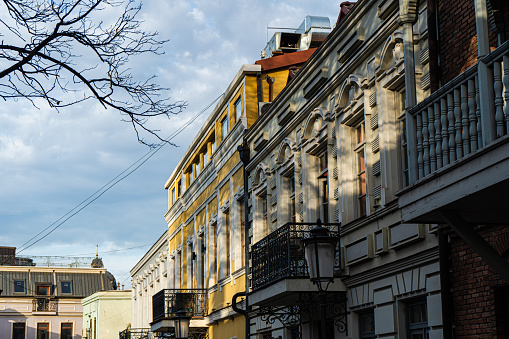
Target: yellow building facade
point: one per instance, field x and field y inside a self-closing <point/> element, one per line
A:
<point x="205" y="202"/>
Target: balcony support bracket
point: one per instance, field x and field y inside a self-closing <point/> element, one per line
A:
<point x="477" y="243"/>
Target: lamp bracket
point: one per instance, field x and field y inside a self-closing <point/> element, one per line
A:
<point x="288" y="316"/>
<point x="335" y="306"/>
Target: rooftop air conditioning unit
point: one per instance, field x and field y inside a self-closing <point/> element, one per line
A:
<point x="263" y="107"/>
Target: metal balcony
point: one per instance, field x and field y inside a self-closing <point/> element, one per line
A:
<point x="136" y="333"/>
<point x="167" y="302"/>
<point x="279" y="267"/>
<point x="459" y="147"/>
<point x="44" y="305"/>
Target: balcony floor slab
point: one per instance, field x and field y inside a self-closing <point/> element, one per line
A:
<point x="475" y="187"/>
<point x="286" y="292"/>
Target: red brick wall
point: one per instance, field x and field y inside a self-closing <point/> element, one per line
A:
<point x="473" y="283"/>
<point x="457" y="37"/>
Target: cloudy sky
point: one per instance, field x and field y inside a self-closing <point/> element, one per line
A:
<point x="52" y="161"/>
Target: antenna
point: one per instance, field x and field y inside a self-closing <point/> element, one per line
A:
<point x="96" y="251"/>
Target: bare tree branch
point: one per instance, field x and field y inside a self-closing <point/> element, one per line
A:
<point x="41" y="62"/>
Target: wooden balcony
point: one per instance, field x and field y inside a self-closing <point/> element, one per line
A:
<point x="459" y="148"/>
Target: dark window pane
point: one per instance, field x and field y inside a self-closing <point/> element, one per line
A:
<point x="418" y="313"/>
<point x="18" y="331"/>
<point x="19" y="286"/>
<point x="66" y="331"/>
<point x="66" y="287"/>
<point x="43" y="331"/>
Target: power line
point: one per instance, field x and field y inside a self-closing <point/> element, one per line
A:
<point x="122" y="249"/>
<point x="114" y="181"/>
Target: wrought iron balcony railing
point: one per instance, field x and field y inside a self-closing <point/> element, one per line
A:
<point x="44" y="305"/>
<point x="136" y="333"/>
<point x="463" y="116"/>
<point x="280" y="255"/>
<point x="167" y="302"/>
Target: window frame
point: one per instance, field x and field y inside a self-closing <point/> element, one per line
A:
<point x="360" y="168"/>
<point x="224" y="127"/>
<point x="227" y="231"/>
<point x="70" y="336"/>
<point x="360" y="317"/>
<point x="417" y="327"/>
<point x="39" y="328"/>
<point x="47" y="287"/>
<point x="323" y="186"/>
<point x="62" y="286"/>
<point x="24" y="286"/>
<point x="16" y="335"/>
<point x="238" y="112"/>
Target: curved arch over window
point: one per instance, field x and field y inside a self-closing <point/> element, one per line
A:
<point x="392" y="52"/>
<point x="314" y="123"/>
<point x="262" y="171"/>
<point x="350" y="91"/>
<point x="286" y="150"/>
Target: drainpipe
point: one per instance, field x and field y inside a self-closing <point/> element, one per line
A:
<point x="434" y="66"/>
<point x="445" y="284"/>
<point x="244" y="157"/>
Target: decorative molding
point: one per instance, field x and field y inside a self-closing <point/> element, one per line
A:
<point x="225" y="207"/>
<point x="373" y="121"/>
<point x="351" y="45"/>
<point x="261" y="141"/>
<point x="239" y="195"/>
<point x="375" y="144"/>
<point x="315" y="83"/>
<point x="201" y="231"/>
<point x="189" y="240"/>
<point x="286" y="114"/>
<point x="381" y="241"/>
<point x="376" y="168"/>
<point x="424" y="58"/>
<point x="372" y="99"/>
<point x="213" y="220"/>
<point x="425" y="81"/>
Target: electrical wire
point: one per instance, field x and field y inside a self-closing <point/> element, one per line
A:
<point x="113" y="182"/>
<point x="137" y="164"/>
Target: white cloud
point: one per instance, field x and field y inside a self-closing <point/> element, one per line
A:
<point x="50" y="161"/>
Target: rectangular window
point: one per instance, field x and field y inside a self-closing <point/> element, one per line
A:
<point x="214" y="266"/>
<point x="238" y="111"/>
<point x="417" y="320"/>
<point x="323" y="187"/>
<point x="367" y="325"/>
<point x="19" y="286"/>
<point x="18" y="330"/>
<point x="173" y="196"/>
<point x="242" y="230"/>
<point x="66" y="331"/>
<point x="291" y="200"/>
<point x="198" y="167"/>
<point x="228" y="252"/>
<point x="43" y="290"/>
<point x="179" y="188"/>
<point x="66" y="287"/>
<point x="361" y="170"/>
<point x="224" y="127"/>
<point x="42" y="331"/>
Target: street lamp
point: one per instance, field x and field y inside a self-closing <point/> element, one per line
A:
<point x="181" y="322"/>
<point x="320" y="250"/>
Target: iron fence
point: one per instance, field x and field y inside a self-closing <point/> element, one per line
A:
<point x="167" y="302"/>
<point x="280" y="255"/>
<point x="44" y="305"/>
